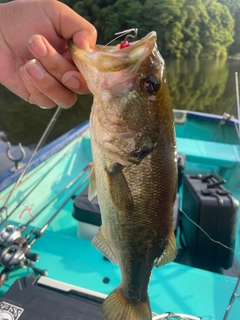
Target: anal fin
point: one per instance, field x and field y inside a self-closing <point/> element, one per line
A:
<point x="100" y="242"/>
<point x="169" y="253"/>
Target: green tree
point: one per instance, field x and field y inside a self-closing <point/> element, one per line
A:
<point x="185" y="28"/>
<point x="89" y="9"/>
<point x="216" y="31"/>
<point x="196" y="13"/>
<point x="120" y="16"/>
<point x="114" y="16"/>
<point x="234" y="8"/>
<point x="167" y="19"/>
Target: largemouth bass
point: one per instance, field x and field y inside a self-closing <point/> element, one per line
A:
<point x="135" y="175"/>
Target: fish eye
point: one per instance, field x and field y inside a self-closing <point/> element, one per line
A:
<point x="151" y="84"/>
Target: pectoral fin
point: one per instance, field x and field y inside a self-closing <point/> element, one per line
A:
<point x="119" y="190"/>
<point x="100" y="242"/>
<point x="169" y="253"/>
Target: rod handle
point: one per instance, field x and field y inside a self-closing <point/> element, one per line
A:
<point x="3" y="275"/>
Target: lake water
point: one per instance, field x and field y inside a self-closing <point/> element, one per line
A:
<point x="205" y="86"/>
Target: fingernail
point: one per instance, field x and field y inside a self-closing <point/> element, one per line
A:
<point x="35" y="69"/>
<point x="37" y="45"/>
<point x="63" y="106"/>
<point x="43" y="107"/>
<point x="71" y="82"/>
<point x="86" y="39"/>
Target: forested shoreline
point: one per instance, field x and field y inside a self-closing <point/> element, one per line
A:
<point x="194" y="84"/>
<point x="186" y="28"/>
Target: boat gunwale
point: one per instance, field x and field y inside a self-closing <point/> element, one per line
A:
<point x="8" y="177"/>
<point x="202" y="116"/>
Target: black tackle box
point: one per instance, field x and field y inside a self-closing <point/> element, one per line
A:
<point x="32" y="299"/>
<point x="181" y="162"/>
<point x="215" y="211"/>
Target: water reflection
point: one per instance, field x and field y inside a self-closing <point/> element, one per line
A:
<point x="207" y="86"/>
<point x="22" y="122"/>
<point x="203" y="85"/>
<point x="25" y="123"/>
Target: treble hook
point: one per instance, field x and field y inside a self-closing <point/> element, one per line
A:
<point x="18" y="164"/>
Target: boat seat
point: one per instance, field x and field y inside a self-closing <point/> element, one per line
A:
<point x="211" y="153"/>
<point x="87" y="213"/>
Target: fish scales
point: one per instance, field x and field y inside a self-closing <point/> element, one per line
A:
<point x="134" y="153"/>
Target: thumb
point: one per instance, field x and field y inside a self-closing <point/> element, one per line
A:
<point x="69" y="24"/>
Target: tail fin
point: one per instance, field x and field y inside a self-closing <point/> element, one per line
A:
<point x="117" y="307"/>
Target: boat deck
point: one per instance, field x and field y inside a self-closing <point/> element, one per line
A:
<point x="175" y="287"/>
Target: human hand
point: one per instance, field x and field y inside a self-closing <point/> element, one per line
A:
<point x="35" y="62"/>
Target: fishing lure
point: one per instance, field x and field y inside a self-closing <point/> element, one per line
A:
<point x="125" y="44"/>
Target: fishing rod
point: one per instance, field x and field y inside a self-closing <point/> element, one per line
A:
<point x="33" y="188"/>
<point x="17" y="255"/>
<point x="43" y="229"/>
<point x="238" y="104"/>
<point x="40" y="143"/>
<point x="227" y="116"/>
<point x="58" y="194"/>
<point x="45" y="162"/>
<point x="11" y="234"/>
<point x="232" y="299"/>
<point x="222" y="122"/>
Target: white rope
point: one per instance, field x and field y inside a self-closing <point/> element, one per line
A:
<point x="179" y="316"/>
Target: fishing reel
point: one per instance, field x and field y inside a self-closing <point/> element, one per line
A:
<point x="14" y="235"/>
<point x="9" y="235"/>
<point x="14" y="251"/>
<point x="13" y="257"/>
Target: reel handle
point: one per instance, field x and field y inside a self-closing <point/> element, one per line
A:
<point x="32" y="256"/>
<point x="41" y="272"/>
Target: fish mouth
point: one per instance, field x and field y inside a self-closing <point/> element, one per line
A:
<point x="112" y="59"/>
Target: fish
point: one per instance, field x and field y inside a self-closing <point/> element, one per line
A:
<point x="135" y="166"/>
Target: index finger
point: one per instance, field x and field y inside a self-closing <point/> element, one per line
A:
<point x="56" y="64"/>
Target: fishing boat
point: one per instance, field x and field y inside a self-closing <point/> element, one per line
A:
<point x="50" y="270"/>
